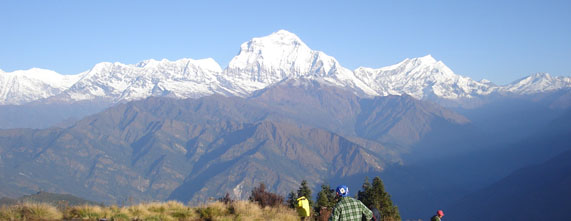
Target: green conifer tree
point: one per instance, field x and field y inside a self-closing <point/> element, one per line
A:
<point x="325" y="197"/>
<point x="304" y="190"/>
<point x="376" y="196"/>
<point x="291" y="200"/>
<point x="363" y="195"/>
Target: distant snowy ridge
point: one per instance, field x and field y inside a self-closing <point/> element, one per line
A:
<point x="261" y="62"/>
<point x="117" y="82"/>
<point x="24" y="86"/>
<point x="536" y="83"/>
<point x="420" y="77"/>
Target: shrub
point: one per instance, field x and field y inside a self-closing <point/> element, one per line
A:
<point x="264" y="198"/>
<point x="226" y="199"/>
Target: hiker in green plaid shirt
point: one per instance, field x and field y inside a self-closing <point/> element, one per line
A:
<point x="348" y="208"/>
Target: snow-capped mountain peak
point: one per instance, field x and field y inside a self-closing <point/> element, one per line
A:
<point x="538" y="82"/>
<point x="282" y="38"/>
<point x="536" y="77"/>
<point x="120" y="82"/>
<point x="261" y="62"/>
<point x="425" y="60"/>
<point x="279" y="52"/>
<point x="24" y="86"/>
<point x="421" y="78"/>
<point x="282" y="55"/>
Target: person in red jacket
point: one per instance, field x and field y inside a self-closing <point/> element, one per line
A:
<point x="439" y="214"/>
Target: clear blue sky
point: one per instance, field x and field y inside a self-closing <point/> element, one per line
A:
<point x="497" y="40"/>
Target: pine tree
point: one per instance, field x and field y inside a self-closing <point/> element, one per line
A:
<point x="291" y="200"/>
<point x="325" y="197"/>
<point x="326" y="200"/>
<point x="304" y="190"/>
<point x="363" y="196"/>
<point x="376" y="196"/>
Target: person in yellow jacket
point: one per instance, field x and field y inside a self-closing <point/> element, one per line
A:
<point x="303" y="207"/>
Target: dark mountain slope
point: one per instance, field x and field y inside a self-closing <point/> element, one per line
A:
<point x="124" y="151"/>
<point x="311" y="102"/>
<point x="426" y="185"/>
<point x="399" y="121"/>
<point x="539" y="192"/>
<point x="277" y="154"/>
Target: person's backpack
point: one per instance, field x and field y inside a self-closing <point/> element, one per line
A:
<point x="303" y="207"/>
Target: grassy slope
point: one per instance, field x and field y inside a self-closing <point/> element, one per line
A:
<point x="172" y="210"/>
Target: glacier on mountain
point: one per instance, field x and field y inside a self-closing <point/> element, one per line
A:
<point x="261" y="62"/>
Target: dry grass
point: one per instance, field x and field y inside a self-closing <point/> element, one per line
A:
<point x="252" y="211"/>
<point x="171" y="210"/>
<point x="9" y="213"/>
<point x="30" y="211"/>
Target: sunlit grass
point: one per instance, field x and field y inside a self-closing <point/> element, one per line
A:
<point x="171" y="210"/>
<point x="30" y="211"/>
<point x="10" y="213"/>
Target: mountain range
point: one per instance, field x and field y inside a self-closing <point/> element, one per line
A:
<point x="261" y="62"/>
<point x="193" y="149"/>
<point x="280" y="113"/>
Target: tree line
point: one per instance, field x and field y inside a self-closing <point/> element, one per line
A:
<point x="373" y="195"/>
